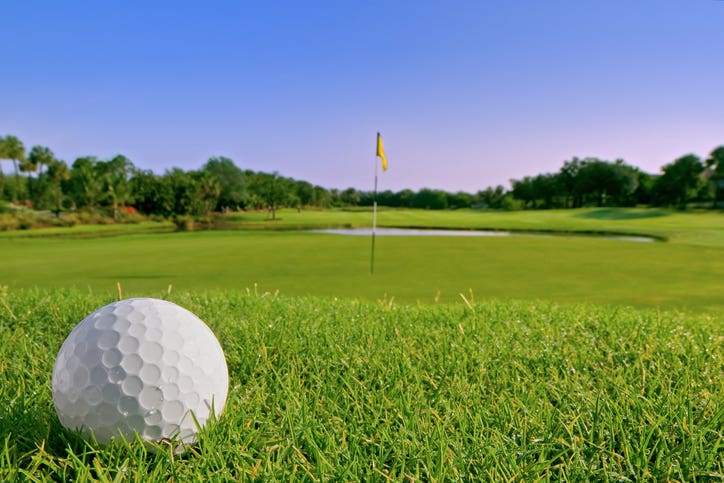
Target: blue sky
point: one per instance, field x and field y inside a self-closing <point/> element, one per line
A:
<point x="467" y="94"/>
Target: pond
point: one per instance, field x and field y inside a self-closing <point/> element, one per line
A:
<point x="478" y="233"/>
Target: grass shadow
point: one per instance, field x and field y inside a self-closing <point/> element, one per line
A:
<point x="621" y="214"/>
<point x="27" y="427"/>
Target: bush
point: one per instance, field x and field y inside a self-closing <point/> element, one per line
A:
<point x="26" y="222"/>
<point x="71" y="219"/>
<point x="86" y="218"/>
<point x="8" y="222"/>
<point x="511" y="204"/>
<point x="184" y="223"/>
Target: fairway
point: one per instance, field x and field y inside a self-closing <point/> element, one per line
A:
<point x="408" y="269"/>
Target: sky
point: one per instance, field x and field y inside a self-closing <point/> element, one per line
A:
<point x="467" y="94"/>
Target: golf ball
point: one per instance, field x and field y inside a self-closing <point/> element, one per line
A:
<point x="144" y="366"/>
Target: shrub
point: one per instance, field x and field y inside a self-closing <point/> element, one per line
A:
<point x="8" y="222"/>
<point x="184" y="222"/>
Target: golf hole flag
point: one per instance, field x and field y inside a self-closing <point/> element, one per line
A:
<point x="381" y="152"/>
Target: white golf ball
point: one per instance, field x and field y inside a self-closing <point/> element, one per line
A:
<point x="143" y="366"/>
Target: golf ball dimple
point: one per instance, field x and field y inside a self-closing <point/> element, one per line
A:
<point x="144" y="366"/>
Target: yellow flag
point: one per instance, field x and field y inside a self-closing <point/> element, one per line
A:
<point x="381" y="152"/>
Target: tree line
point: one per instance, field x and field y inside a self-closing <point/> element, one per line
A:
<point x="595" y="182"/>
<point x="116" y="187"/>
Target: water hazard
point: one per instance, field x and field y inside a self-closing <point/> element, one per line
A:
<point x="474" y="233"/>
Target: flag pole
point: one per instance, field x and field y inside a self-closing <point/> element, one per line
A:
<point x="374" y="217"/>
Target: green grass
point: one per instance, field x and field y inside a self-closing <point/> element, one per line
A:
<point x="705" y="228"/>
<point x="538" y="371"/>
<point x="344" y="390"/>
<point x="91" y="231"/>
<point x="408" y="269"/>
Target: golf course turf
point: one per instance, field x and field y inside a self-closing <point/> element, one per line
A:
<point x="685" y="272"/>
<point x="492" y="358"/>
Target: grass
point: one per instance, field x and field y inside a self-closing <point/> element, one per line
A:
<point x="410" y="269"/>
<point x="539" y="371"/>
<point x="705" y="228"/>
<point x="702" y="228"/>
<point x="91" y="231"/>
<point x="345" y="390"/>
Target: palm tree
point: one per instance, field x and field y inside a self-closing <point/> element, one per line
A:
<point x="116" y="176"/>
<point x="58" y="172"/>
<point x="210" y="190"/>
<point x="38" y="157"/>
<point x="41" y="156"/>
<point x="28" y="165"/>
<point x="13" y="149"/>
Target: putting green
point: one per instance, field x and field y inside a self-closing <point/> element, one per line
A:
<point x="408" y="269"/>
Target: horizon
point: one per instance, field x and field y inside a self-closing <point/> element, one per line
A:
<point x="465" y="96"/>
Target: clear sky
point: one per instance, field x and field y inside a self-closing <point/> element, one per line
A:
<point x="467" y="94"/>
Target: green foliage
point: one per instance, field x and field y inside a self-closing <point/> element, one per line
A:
<point x="271" y="191"/>
<point x="491" y="198"/>
<point x="232" y="185"/>
<point x="153" y="194"/>
<point x="715" y="162"/>
<point x="116" y="174"/>
<point x="580" y="182"/>
<point x="333" y="390"/>
<point x="430" y="199"/>
<point x="58" y="173"/>
<point x="85" y="183"/>
<point x="681" y="181"/>
<point x="13" y="149"/>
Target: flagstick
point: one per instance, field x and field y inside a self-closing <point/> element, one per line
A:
<point x="374" y="222"/>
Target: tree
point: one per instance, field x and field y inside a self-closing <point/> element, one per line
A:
<point x="567" y="177"/>
<point x="230" y="179"/>
<point x="57" y="173"/>
<point x="643" y="195"/>
<point x="715" y="162"/>
<point x="27" y="166"/>
<point x="605" y="182"/>
<point x="38" y="158"/>
<point x="545" y="187"/>
<point x="459" y="200"/>
<point x="209" y="188"/>
<point x="593" y="180"/>
<point x="680" y="181"/>
<point x="405" y="198"/>
<point x="272" y="191"/>
<point x="115" y="175"/>
<point x="41" y="156"/>
<point x="350" y="197"/>
<point x="322" y="197"/>
<point x="305" y="193"/>
<point x="430" y="199"/>
<point x="523" y="191"/>
<point x="151" y="194"/>
<point x="492" y="197"/>
<point x="187" y="197"/>
<point x="86" y="182"/>
<point x="13" y="149"/>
